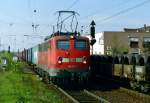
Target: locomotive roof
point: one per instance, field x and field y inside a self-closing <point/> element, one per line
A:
<point x="62" y="34"/>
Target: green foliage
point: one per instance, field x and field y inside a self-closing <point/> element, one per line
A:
<point x="11" y="64"/>
<point x="118" y="47"/>
<point x="19" y="87"/>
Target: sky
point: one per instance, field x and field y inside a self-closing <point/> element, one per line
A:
<point x="17" y="17"/>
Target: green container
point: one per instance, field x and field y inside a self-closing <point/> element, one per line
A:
<point x="35" y="51"/>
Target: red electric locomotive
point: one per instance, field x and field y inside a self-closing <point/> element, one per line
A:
<point x="64" y="55"/>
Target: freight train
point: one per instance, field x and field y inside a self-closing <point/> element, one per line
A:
<point x="62" y="56"/>
<point x="133" y="70"/>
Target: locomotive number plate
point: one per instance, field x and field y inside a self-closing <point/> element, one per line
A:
<point x="72" y="66"/>
<point x="72" y="60"/>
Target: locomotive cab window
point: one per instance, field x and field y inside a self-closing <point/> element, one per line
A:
<point x="63" y="44"/>
<point x="80" y="44"/>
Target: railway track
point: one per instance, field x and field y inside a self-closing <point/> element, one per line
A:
<point x="122" y="96"/>
<point x="80" y="95"/>
<point x="71" y="94"/>
<point x="84" y="96"/>
<point x="115" y="93"/>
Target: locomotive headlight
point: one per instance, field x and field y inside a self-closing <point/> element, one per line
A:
<point x="71" y="37"/>
<point x="84" y="60"/>
<point x="60" y="60"/>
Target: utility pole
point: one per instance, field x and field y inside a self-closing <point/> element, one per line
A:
<point x="81" y="30"/>
<point x="34" y="24"/>
<point x="14" y="41"/>
<point x="9" y="49"/>
<point x="53" y="29"/>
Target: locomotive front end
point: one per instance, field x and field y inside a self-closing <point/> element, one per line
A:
<point x="72" y="57"/>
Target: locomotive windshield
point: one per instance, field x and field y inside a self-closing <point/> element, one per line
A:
<point x="63" y="44"/>
<point x="80" y="44"/>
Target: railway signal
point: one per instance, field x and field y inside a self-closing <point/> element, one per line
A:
<point x="92" y="29"/>
<point x="92" y="32"/>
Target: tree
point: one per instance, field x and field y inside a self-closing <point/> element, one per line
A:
<point x="118" y="47"/>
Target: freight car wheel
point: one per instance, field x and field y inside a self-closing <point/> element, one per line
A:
<point x="85" y="81"/>
<point x="81" y="81"/>
<point x="68" y="81"/>
<point x="64" y="80"/>
<point x="50" y="79"/>
<point x="46" y="78"/>
<point x="60" y="80"/>
<point x="35" y="69"/>
<point x="144" y="88"/>
<point x="54" y="79"/>
<point x="133" y="85"/>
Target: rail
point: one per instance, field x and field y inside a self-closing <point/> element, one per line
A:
<point x="134" y="93"/>
<point x="65" y="93"/>
<point x="80" y="96"/>
<point x="102" y="100"/>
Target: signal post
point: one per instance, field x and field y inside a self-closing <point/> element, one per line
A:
<point x="92" y="33"/>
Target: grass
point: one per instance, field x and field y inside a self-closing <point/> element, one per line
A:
<point x="19" y="87"/>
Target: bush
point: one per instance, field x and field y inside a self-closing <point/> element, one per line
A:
<point x="10" y="63"/>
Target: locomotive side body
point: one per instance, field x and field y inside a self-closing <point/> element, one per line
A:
<point x="43" y="56"/>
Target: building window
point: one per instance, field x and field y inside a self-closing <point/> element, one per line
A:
<point x="146" y="42"/>
<point x="134" y="42"/>
<point x="108" y="48"/>
<point x="101" y="41"/>
<point x="109" y="53"/>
